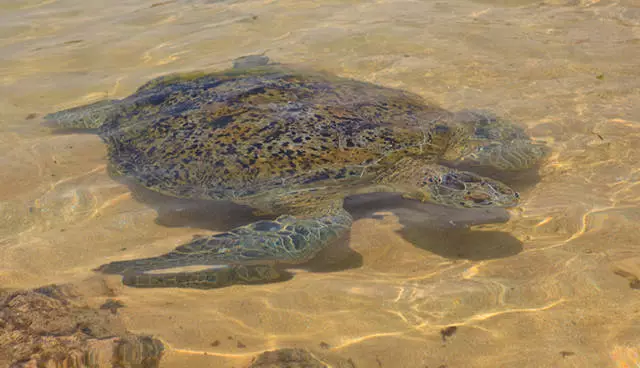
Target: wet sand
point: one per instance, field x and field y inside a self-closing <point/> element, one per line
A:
<point x="551" y="283"/>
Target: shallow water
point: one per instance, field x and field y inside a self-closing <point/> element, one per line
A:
<point x="551" y="283"/>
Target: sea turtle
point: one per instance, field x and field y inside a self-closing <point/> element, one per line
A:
<point x="291" y="143"/>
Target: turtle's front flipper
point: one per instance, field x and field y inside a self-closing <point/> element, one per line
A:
<point x="90" y="116"/>
<point x="249" y="251"/>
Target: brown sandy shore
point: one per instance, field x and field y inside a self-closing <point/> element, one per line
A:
<point x="53" y="326"/>
<point x="551" y="283"/>
<point x="49" y="327"/>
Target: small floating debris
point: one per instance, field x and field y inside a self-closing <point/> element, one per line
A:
<point x="448" y="332"/>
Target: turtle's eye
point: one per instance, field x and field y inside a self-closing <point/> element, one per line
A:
<point x="452" y="182"/>
<point x="441" y="129"/>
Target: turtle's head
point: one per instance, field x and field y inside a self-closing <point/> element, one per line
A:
<point x="515" y="155"/>
<point x="464" y="189"/>
<point x="90" y="116"/>
<point x="482" y="139"/>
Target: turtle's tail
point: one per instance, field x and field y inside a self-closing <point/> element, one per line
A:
<point x="90" y="116"/>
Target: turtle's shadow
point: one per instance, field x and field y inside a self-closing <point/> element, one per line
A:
<point x="441" y="230"/>
<point x="437" y="229"/>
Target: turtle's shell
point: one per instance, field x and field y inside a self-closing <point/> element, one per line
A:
<point x="240" y="132"/>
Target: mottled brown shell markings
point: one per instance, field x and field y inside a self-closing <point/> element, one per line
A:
<point x="234" y="134"/>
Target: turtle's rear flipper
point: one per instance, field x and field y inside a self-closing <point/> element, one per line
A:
<point x="250" y="61"/>
<point x="90" y="116"/>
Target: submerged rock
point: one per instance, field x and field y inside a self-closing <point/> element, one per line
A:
<point x="47" y="327"/>
<point x="299" y="358"/>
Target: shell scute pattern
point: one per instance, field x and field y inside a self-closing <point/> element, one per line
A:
<point x="222" y="135"/>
